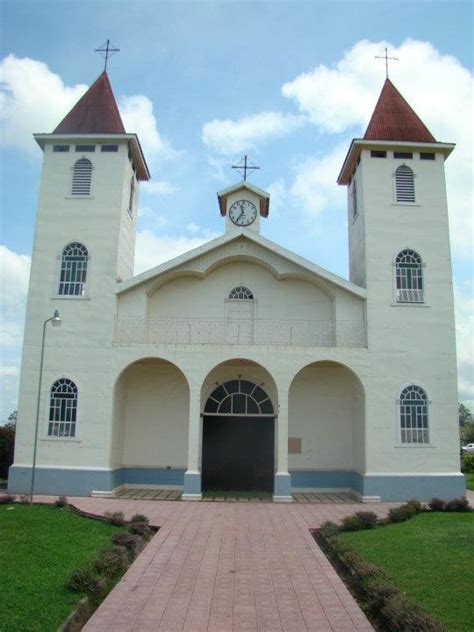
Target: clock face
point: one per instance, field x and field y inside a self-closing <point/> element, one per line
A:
<point x="242" y="213"/>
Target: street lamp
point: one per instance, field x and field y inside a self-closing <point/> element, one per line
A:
<point x="55" y="320"/>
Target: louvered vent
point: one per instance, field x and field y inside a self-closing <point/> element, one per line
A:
<point x="404" y="184"/>
<point x="409" y="296"/>
<point x="81" y="177"/>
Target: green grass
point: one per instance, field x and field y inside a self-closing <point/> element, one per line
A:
<point x="469" y="481"/>
<point x="431" y="559"/>
<point x="39" y="547"/>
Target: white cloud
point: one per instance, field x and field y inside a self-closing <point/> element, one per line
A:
<point x="160" y="187"/>
<point x="35" y="99"/>
<point x="14" y="275"/>
<point x="138" y="117"/>
<point x="152" y="250"/>
<point x="232" y="137"/>
<point x="438" y="88"/>
<point x="464" y="304"/>
<point x="315" y="187"/>
<point x="32" y="99"/>
<point x="278" y="196"/>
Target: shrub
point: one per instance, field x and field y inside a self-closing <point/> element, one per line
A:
<point x="329" y="530"/>
<point x="458" y="504"/>
<point x="115" y="517"/>
<point x="399" y="614"/>
<point x="61" y="502"/>
<point x="377" y="590"/>
<point x="141" y="529"/>
<point x="467" y="464"/>
<point x="352" y="523"/>
<point x="368" y="518"/>
<point x="140" y="518"/>
<point x="6" y="499"/>
<point x="85" y="580"/>
<point x="128" y="540"/>
<point x="436" y="504"/>
<point x="7" y="445"/>
<point x="417" y="506"/>
<point x="402" y="513"/>
<point x="111" y="561"/>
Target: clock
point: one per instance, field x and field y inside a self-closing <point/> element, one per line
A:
<point x="242" y="213"/>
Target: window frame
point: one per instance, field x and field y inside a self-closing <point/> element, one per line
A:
<point x="398" y="202"/>
<point x="414" y="444"/>
<point x="241" y="289"/>
<point x="47" y="413"/>
<point x="411" y="291"/>
<point x="223" y="384"/>
<point x="59" y="266"/>
<point x="79" y="196"/>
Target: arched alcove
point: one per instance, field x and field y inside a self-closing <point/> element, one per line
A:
<point x="326" y="426"/>
<point x="150" y="423"/>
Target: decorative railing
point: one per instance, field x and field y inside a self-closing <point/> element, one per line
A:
<point x="295" y="333"/>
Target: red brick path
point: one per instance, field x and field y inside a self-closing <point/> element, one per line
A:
<point x="219" y="567"/>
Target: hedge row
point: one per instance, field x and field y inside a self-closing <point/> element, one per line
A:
<point x="391" y="609"/>
<point x="467" y="463"/>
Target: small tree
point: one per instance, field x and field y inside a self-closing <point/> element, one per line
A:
<point x="465" y="415"/>
<point x="12" y="419"/>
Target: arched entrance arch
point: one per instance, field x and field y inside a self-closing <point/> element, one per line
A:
<point x="238" y="439"/>
<point x="326" y="427"/>
<point x="150" y="423"/>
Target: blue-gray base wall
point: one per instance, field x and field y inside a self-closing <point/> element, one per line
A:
<point x="70" y="482"/>
<point x="387" y="487"/>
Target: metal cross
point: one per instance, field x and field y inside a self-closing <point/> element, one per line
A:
<point x="386" y="57"/>
<point x="107" y="50"/>
<point x="245" y="167"/>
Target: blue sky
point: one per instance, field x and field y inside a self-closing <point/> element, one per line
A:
<point x="289" y="83"/>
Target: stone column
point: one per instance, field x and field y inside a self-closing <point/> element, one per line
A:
<point x="192" y="477"/>
<point x="282" y="489"/>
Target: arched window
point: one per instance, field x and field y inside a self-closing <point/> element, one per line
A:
<point x="241" y="293"/>
<point x="81" y="177"/>
<point x="239" y="397"/>
<point x="404" y="184"/>
<point x="63" y="409"/>
<point x="409" y="277"/>
<point x="413" y="415"/>
<point x="72" y="279"/>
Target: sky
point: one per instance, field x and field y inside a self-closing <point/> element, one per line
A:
<point x="289" y="83"/>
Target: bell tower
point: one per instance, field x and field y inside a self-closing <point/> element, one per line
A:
<point x="243" y="205"/>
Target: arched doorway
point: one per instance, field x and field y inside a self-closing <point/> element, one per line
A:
<point x="238" y="438"/>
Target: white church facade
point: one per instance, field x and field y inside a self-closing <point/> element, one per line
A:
<point x="240" y="365"/>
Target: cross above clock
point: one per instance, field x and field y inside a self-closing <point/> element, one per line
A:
<point x="245" y="166"/>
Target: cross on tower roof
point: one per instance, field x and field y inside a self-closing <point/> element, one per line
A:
<point x="107" y="50"/>
<point x="245" y="166"/>
<point x="386" y="57"/>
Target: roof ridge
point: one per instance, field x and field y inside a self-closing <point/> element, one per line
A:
<point x="393" y="118"/>
<point x="96" y="112"/>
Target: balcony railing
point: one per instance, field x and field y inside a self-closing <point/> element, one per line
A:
<point x="296" y="333"/>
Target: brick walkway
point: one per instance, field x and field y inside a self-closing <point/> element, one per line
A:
<point x="219" y="567"/>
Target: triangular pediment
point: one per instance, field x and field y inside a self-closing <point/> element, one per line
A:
<point x="244" y="246"/>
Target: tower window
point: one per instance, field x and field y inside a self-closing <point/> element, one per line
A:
<point x="375" y="153"/>
<point x="108" y="148"/>
<point x="81" y="177"/>
<point x="409" y="277"/>
<point x="62" y="409"/>
<point x="85" y="147"/>
<point x="425" y="155"/>
<point x="402" y="154"/>
<point x="60" y="148"/>
<point x="132" y="196"/>
<point x="72" y="280"/>
<point x="355" y="210"/>
<point x="404" y="184"/>
<point x="413" y="415"/>
<point x="241" y="293"/>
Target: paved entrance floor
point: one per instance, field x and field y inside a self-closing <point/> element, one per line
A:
<point x="222" y="567"/>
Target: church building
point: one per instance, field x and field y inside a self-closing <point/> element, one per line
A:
<point x="239" y="365"/>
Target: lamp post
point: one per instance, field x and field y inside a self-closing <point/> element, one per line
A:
<point x="55" y="320"/>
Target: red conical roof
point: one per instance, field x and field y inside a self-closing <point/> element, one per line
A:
<point x="394" y="119"/>
<point x="95" y="113"/>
